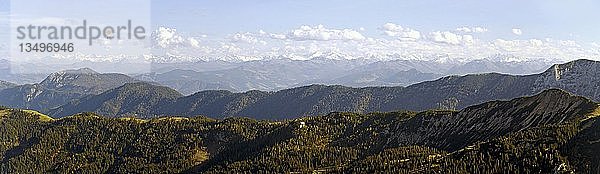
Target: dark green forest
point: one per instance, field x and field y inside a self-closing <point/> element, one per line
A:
<point x="552" y="132"/>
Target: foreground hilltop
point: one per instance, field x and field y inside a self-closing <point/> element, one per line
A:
<point x="581" y="77"/>
<point x="553" y="131"/>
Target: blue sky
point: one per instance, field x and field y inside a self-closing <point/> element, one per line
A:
<point x="222" y="28"/>
<point x="541" y="18"/>
<point x="538" y="18"/>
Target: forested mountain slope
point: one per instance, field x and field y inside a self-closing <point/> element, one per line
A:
<point x="581" y="77"/>
<point x="553" y="131"/>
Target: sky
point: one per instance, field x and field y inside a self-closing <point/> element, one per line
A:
<point x="420" y="29"/>
<point x="542" y="18"/>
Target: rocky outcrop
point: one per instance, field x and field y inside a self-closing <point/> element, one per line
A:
<point x="581" y="77"/>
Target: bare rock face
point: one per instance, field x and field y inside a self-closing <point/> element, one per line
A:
<point x="579" y="77"/>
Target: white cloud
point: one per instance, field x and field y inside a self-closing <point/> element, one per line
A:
<point x="307" y="41"/>
<point x="402" y="33"/>
<point x="472" y="29"/>
<point x="264" y="34"/>
<point x="169" y="39"/>
<point x="517" y="31"/>
<point x="468" y="39"/>
<point x="244" y="37"/>
<point x="480" y="30"/>
<point x="445" y="37"/>
<point x="165" y="37"/>
<point x="277" y="36"/>
<point x="551" y="49"/>
<point x="320" y="33"/>
<point x="172" y="46"/>
<point x="536" y="42"/>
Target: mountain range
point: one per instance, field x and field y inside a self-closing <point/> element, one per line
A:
<point x="134" y="99"/>
<point x="60" y="88"/>
<point x="477" y="123"/>
<point x="4" y="85"/>
<point x="8" y="76"/>
<point x="551" y="132"/>
<point x="278" y="73"/>
<point x="284" y="73"/>
<point x="452" y="92"/>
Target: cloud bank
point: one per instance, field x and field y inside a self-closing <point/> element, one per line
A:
<point x="402" y="33"/>
<point x="393" y="42"/>
<point x="320" y="33"/>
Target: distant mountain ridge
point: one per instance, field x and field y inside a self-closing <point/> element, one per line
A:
<point x="384" y="77"/>
<point x="281" y="72"/>
<point x="61" y="87"/>
<point x="452" y="92"/>
<point x="266" y="75"/>
<point x="139" y="97"/>
<point x="6" y="74"/>
<point x="4" y="85"/>
<point x="85" y="80"/>
<point x="284" y="73"/>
